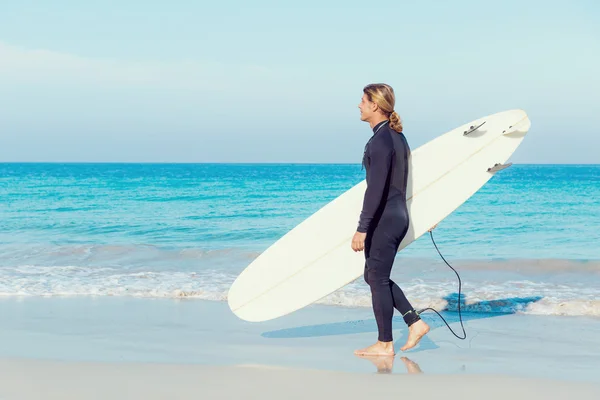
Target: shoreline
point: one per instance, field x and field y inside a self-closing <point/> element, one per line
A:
<point x="199" y="332"/>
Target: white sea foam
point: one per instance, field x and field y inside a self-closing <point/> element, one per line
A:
<point x="509" y="296"/>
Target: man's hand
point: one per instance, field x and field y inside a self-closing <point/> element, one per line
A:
<point x="358" y="241"/>
<point x="432" y="228"/>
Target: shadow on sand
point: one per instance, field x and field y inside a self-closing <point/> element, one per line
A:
<point x="473" y="311"/>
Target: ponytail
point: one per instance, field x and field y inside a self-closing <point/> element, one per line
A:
<point x="395" y="122"/>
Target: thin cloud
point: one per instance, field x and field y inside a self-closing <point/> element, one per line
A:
<point x="20" y="65"/>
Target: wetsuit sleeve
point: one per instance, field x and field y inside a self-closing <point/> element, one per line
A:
<point x="379" y="168"/>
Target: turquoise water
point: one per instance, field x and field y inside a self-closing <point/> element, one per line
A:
<point x="188" y="229"/>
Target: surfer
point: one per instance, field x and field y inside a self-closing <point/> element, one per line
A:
<point x="384" y="218"/>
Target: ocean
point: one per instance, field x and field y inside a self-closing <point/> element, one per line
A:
<point x="527" y="242"/>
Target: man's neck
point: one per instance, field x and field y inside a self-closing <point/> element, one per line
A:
<point x="377" y="120"/>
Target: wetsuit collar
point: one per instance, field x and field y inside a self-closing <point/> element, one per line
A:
<point x="379" y="125"/>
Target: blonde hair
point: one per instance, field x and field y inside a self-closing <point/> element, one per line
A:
<point x="383" y="95"/>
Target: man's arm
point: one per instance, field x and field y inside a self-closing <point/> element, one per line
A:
<point x="381" y="162"/>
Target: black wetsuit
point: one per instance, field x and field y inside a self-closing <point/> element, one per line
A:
<point x="385" y="219"/>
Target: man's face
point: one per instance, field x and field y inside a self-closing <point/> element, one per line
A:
<point x="367" y="108"/>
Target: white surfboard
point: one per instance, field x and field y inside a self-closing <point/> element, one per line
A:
<point x="315" y="258"/>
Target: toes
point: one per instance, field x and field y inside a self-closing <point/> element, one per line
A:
<point x="408" y="345"/>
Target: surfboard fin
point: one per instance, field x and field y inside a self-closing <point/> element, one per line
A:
<point x="514" y="131"/>
<point x="473" y="128"/>
<point x="498" y="167"/>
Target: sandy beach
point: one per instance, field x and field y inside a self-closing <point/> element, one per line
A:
<point x="162" y="348"/>
<point x="56" y="380"/>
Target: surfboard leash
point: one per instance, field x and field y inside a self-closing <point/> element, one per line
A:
<point x="459" y="296"/>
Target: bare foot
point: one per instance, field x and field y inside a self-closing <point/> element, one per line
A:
<point x="411" y="366"/>
<point x="378" y="349"/>
<point x="384" y="364"/>
<point x="415" y="332"/>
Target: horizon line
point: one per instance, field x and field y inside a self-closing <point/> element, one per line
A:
<point x="242" y="163"/>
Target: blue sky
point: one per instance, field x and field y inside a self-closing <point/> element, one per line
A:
<point x="266" y="81"/>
